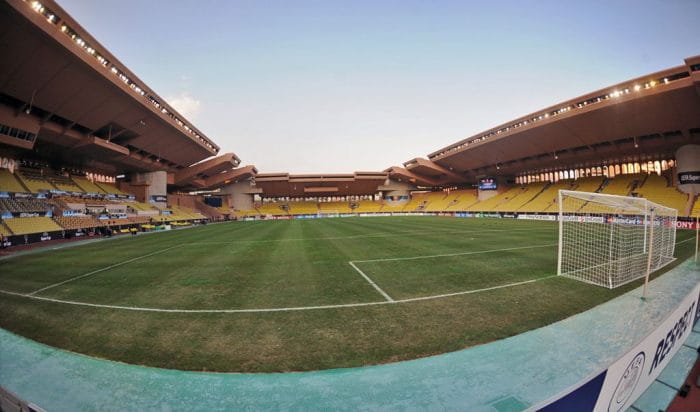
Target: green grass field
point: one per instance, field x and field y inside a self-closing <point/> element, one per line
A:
<point x="296" y="295"/>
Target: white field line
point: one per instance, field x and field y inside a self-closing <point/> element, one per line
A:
<point x="687" y="240"/>
<point x="288" y="309"/>
<point x="453" y="254"/>
<point x="285" y="309"/>
<point x="102" y="269"/>
<point x="371" y="282"/>
<point x="371" y="235"/>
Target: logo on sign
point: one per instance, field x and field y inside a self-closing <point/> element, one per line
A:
<point x="627" y="383"/>
<point x="689" y="178"/>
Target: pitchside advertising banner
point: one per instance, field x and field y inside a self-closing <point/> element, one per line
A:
<point x="616" y="388"/>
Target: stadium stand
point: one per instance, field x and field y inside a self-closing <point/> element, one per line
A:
<point x="274" y="209"/>
<point x="87" y="185"/>
<point x="183" y="213"/>
<point x="109" y="188"/>
<point x="366" y="206"/>
<point x="4" y="231"/>
<point x="140" y="206"/>
<point x="695" y="211"/>
<point x="27" y="205"/>
<point x="463" y="200"/>
<point x="63" y="183"/>
<point x="246" y="213"/>
<point x="303" y="208"/>
<point x="416" y="204"/>
<point x="621" y="185"/>
<point x="334" y="207"/>
<point x="528" y="193"/>
<point x="77" y="222"/>
<point x="657" y="189"/>
<point x="442" y="201"/>
<point x="491" y="204"/>
<point x="393" y="207"/>
<point x="9" y="183"/>
<point x="33" y="180"/>
<point x="29" y="225"/>
<point x="545" y="200"/>
<point x="584" y="184"/>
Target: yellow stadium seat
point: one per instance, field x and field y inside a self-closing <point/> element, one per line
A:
<point x="34" y="181"/>
<point x="29" y="225"/>
<point x="87" y="185"/>
<point x="334" y="207"/>
<point x="9" y="183"/>
<point x="656" y="189"/>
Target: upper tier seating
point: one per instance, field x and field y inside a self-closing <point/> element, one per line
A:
<point x="33" y="180"/>
<point x="9" y="183"/>
<point x="109" y="188"/>
<point x="87" y="185"/>
<point x="63" y="183"/>
<point x="656" y="189"/>
<point x="144" y="207"/>
<point x="29" y="225"/>
<point x="622" y="185"/>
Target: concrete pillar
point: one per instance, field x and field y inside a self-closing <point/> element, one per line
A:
<point x="155" y="187"/>
<point x="241" y="194"/>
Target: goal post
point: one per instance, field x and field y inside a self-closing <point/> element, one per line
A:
<point x="610" y="240"/>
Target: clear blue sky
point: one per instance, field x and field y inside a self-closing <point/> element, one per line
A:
<point x="338" y="86"/>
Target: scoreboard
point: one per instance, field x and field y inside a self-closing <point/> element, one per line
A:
<point x="487" y="183"/>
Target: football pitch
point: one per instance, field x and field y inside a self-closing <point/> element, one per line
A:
<point x="297" y="295"/>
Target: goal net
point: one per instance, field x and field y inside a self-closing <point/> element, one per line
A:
<point x="606" y="240"/>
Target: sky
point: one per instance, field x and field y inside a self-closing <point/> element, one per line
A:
<point x="340" y="86"/>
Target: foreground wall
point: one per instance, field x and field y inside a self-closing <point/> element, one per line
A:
<point x="617" y="387"/>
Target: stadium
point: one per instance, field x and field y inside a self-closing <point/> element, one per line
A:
<point x="546" y="263"/>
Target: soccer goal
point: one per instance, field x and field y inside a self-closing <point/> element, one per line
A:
<point x="610" y="240"/>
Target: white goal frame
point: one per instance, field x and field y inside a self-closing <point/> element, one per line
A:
<point x="610" y="240"/>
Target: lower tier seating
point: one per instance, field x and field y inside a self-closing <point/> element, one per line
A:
<point x="77" y="222"/>
<point x="29" y="225"/>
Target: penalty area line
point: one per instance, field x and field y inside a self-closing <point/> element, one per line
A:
<point x="453" y="254"/>
<point x="287" y="309"/>
<point x="102" y="270"/>
<point x="371" y="282"/>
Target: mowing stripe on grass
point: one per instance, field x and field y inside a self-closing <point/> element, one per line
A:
<point x="370" y="235"/>
<point x="289" y="309"/>
<point x="371" y="282"/>
<point x="452" y="254"/>
<point x="103" y="269"/>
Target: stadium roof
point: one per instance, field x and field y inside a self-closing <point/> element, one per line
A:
<point x="651" y="115"/>
<point x="284" y="184"/>
<point x="71" y="92"/>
